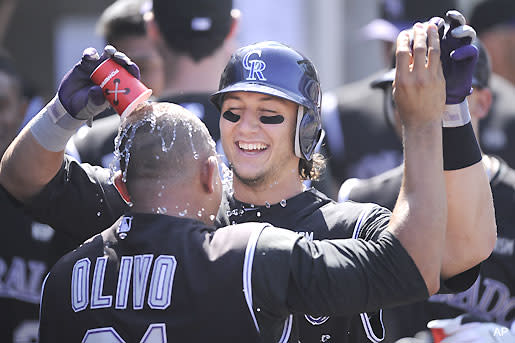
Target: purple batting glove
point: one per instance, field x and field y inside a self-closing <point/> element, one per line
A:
<point x="458" y="56"/>
<point x="80" y="97"/>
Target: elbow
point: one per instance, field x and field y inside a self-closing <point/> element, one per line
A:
<point x="433" y="283"/>
<point x="489" y="241"/>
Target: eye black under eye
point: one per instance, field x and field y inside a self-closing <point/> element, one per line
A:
<point x="277" y="119"/>
<point x="231" y="116"/>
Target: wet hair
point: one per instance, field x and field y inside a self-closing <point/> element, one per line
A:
<point x="161" y="140"/>
<point x="313" y="169"/>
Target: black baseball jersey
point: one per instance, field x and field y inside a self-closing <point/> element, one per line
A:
<point x="157" y="278"/>
<point x="95" y="145"/>
<point x="358" y="142"/>
<point x="310" y="213"/>
<point x="492" y="296"/>
<point x="28" y="250"/>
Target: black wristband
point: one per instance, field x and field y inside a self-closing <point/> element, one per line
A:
<point x="460" y="147"/>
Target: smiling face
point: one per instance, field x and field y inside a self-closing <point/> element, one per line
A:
<point x="257" y="136"/>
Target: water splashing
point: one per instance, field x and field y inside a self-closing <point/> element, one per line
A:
<point x="227" y="179"/>
<point x="190" y="133"/>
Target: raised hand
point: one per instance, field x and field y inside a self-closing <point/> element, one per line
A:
<point x="418" y="88"/>
<point x="79" y="96"/>
<point x="458" y="55"/>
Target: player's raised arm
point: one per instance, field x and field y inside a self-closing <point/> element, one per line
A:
<point x="420" y="214"/>
<point x="471" y="227"/>
<point x="36" y="154"/>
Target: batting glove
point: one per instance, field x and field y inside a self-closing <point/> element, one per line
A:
<point x="79" y="96"/>
<point x="466" y="329"/>
<point x="458" y="56"/>
<point x="78" y="100"/>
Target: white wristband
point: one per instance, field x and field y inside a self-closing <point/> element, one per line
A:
<point x="52" y="127"/>
<point x="456" y="115"/>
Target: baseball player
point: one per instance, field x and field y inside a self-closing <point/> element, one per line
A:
<point x="269" y="140"/>
<point x="28" y="249"/>
<point x="155" y="277"/>
<point x="192" y="61"/>
<point x="490" y="297"/>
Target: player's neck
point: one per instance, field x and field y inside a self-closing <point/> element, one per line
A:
<point x="184" y="75"/>
<point x="267" y="192"/>
<point x="178" y="204"/>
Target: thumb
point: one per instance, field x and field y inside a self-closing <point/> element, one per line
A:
<point x="96" y="95"/>
<point x="465" y="52"/>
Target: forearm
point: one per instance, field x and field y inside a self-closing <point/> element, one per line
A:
<point x="471" y="228"/>
<point x="419" y="216"/>
<point x="27" y="167"/>
<point x="332" y="277"/>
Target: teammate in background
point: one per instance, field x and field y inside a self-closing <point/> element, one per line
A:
<point x="490" y="298"/>
<point x="348" y="109"/>
<point x="494" y="21"/>
<point x="195" y="39"/>
<point x="27" y="249"/>
<point x="172" y="276"/>
<point x="122" y="25"/>
<point x="270" y="99"/>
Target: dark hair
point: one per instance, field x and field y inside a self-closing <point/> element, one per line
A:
<point x="489" y="14"/>
<point x="313" y="169"/>
<point x="193" y="27"/>
<point x="161" y="140"/>
<point x="123" y="18"/>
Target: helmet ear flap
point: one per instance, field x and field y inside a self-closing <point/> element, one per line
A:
<point x="307" y="134"/>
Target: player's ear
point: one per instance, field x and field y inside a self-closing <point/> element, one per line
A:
<point x="235" y="14"/>
<point x="484" y="102"/>
<point x="121" y="187"/>
<point x="152" y="29"/>
<point x="209" y="174"/>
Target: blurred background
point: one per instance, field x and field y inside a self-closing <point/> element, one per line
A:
<point x="47" y="37"/>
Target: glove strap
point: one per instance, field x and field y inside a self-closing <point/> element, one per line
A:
<point x="456" y="115"/>
<point x="52" y="127"/>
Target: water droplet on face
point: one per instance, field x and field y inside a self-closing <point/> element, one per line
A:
<point x="283" y="203"/>
<point x="160" y="194"/>
<point x="199" y="213"/>
<point x="267" y="204"/>
<point x="195" y="156"/>
<point x="227" y="179"/>
<point x="183" y="213"/>
<point x="211" y="217"/>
